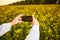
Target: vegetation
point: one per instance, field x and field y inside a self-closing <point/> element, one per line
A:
<point x="33" y="2"/>
<point x="47" y="15"/>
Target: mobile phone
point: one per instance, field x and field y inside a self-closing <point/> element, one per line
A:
<point x="27" y="18"/>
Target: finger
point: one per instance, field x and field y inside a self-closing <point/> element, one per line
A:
<point x="19" y="19"/>
<point x="21" y="22"/>
<point x="21" y="15"/>
<point x="33" y="17"/>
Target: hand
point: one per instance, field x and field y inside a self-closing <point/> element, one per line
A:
<point x="35" y="21"/>
<point x="16" y="20"/>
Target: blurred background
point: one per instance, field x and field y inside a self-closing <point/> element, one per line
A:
<point x="47" y="12"/>
<point x="47" y="15"/>
<point x="34" y="2"/>
<point x="28" y="2"/>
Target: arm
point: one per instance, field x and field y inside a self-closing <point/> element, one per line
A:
<point x="4" y="28"/>
<point x="34" y="32"/>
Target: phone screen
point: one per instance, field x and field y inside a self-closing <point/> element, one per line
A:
<point x="27" y="18"/>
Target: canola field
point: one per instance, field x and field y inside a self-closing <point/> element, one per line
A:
<point x="47" y="15"/>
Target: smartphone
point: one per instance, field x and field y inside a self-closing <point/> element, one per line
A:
<point x="27" y="18"/>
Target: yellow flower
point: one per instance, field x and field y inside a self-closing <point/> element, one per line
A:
<point x="58" y="14"/>
<point x="50" y="31"/>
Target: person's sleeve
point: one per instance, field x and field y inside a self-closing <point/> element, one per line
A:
<point x="4" y="28"/>
<point x="34" y="33"/>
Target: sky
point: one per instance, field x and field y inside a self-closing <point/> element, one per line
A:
<point x="6" y="2"/>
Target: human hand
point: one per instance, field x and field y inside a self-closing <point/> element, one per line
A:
<point x="35" y="21"/>
<point x="16" y="20"/>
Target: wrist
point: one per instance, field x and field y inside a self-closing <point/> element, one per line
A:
<point x="35" y="25"/>
<point x="11" y="23"/>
